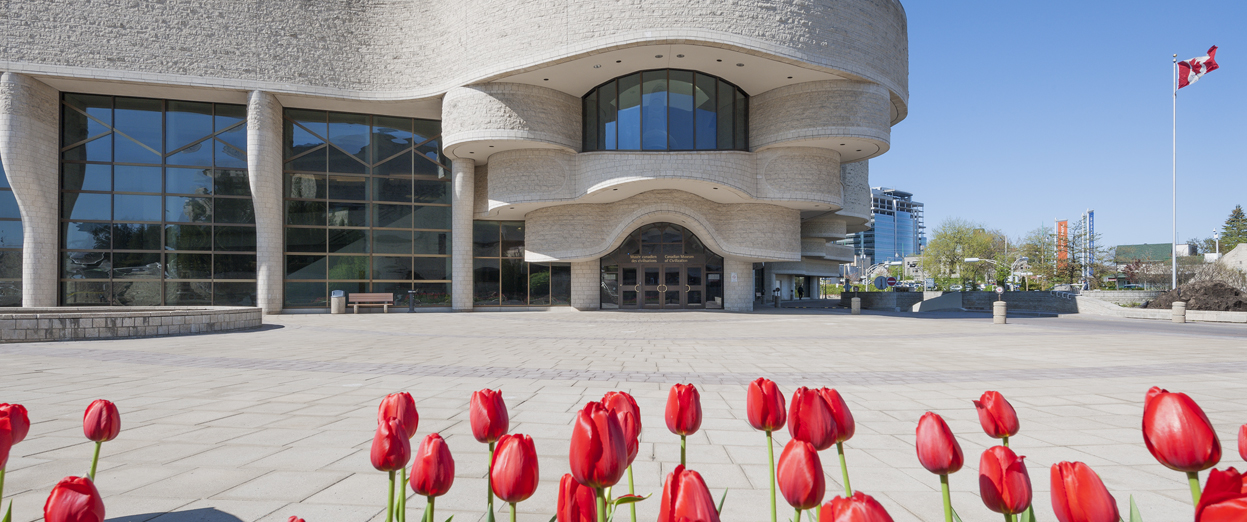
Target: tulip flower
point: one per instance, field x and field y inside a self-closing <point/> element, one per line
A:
<point x="295" y="519"/>
<point x="683" y="413"/>
<point x="997" y="416"/>
<point x="390" y="452"/>
<point x="1224" y="498"/>
<point x="74" y="499"/>
<point x="100" y="423"/>
<point x="1179" y="435"/>
<point x="487" y="413"/>
<point x="1003" y="482"/>
<point x="577" y="503"/>
<point x="685" y="498"/>
<point x="764" y="405"/>
<point x="1242" y="442"/>
<point x="810" y="419"/>
<point x="844" y="430"/>
<point x="599" y="451"/>
<point x="6" y="444"/>
<point x="858" y="508"/>
<point x="939" y="452"/>
<point x="402" y="407"/>
<point x="801" y="476"/>
<point x="513" y="472"/>
<point x="19" y="420"/>
<point x="1078" y="495"/>
<point x="432" y="470"/>
<point x="625" y="408"/>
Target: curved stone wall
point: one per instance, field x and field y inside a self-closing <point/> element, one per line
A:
<point x="856" y="211"/>
<point x="581" y="232"/>
<point x="810" y="111"/>
<point x="824" y="227"/>
<point x="800" y="174"/>
<point x="380" y="49"/>
<point x="510" y="112"/>
<point x="29" y="137"/>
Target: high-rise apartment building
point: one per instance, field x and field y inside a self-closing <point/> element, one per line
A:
<point x="898" y="228"/>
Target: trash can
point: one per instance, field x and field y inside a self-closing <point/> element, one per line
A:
<point x="337" y="302"/>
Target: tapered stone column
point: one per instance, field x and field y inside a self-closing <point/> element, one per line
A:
<point x="28" y="148"/>
<point x="738" y="287"/>
<point x="586" y="281"/>
<point x="264" y="171"/>
<point x="463" y="177"/>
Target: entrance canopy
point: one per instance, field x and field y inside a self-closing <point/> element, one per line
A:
<point x="662" y="266"/>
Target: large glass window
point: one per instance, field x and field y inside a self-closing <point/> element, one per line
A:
<point x="501" y="277"/>
<point x="10" y="245"/>
<point x="367" y="208"/>
<point x="155" y="203"/>
<point x="666" y="109"/>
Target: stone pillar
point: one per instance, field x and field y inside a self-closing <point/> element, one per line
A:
<point x="29" y="141"/>
<point x="738" y="285"/>
<point x="463" y="177"/>
<point x="586" y="284"/>
<point x="264" y="155"/>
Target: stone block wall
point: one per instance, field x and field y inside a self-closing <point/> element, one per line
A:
<point x="65" y="323"/>
<point x="810" y="111"/>
<point x="29" y="141"/>
<point x="264" y="169"/>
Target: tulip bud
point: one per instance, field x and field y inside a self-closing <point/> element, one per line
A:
<point x="1224" y="498"/>
<point x="810" y="419"/>
<point x="997" y="416"/>
<point x="1178" y="433"/>
<point x="1003" y="482"/>
<point x="840" y="413"/>
<point x="938" y="450"/>
<point x="19" y="420"/>
<point x="402" y="407"/>
<point x="432" y="467"/>
<point x="1078" y="495"/>
<point x="390" y="447"/>
<point x="577" y="503"/>
<point x="858" y="508"/>
<point x="599" y="450"/>
<point x="685" y="498"/>
<point x="296" y="519"/>
<point x="74" y="499"/>
<point x="800" y="475"/>
<point x="683" y="413"/>
<point x="6" y="440"/>
<point x="101" y="422"/>
<point x="629" y="414"/>
<point x="514" y="470"/>
<point x="764" y="404"/>
<point x="488" y="416"/>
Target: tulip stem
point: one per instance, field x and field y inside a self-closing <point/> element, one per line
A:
<point x="631" y="506"/>
<point x="770" y="453"/>
<point x="489" y="482"/>
<point x="389" y="506"/>
<point x="948" y="501"/>
<point x="1" y="487"/>
<point x="402" y="499"/>
<point x="512" y="512"/>
<point x="601" y="498"/>
<point x="428" y="515"/>
<point x="1008" y="517"/>
<point x="798" y="517"/>
<point x="682" y="450"/>
<point x="1193" y="478"/>
<point x="844" y="470"/>
<point x="1006" y="441"/>
<point x="95" y="460"/>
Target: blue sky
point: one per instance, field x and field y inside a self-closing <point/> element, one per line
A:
<point x="1025" y="112"/>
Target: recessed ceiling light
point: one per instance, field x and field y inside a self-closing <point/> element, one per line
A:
<point x="718" y="60"/>
<point x="716" y="188"/>
<point x="859" y="150"/>
<point x="789" y="77"/>
<point x="512" y="208"/>
<point x="740" y="65"/>
<point x="547" y="79"/>
<point x="470" y="152"/>
<point x="599" y="66"/>
<point x="491" y="146"/>
<point x="679" y="56"/>
<point x="657" y="56"/>
<point x="841" y="144"/>
<point x="614" y="189"/>
<point x="618" y="61"/>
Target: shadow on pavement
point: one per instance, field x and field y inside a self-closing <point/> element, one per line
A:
<point x="194" y="515"/>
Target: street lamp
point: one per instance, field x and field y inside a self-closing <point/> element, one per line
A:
<point x="1216" y="234"/>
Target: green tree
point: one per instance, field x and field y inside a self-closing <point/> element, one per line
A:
<point x="1235" y="230"/>
<point x="956" y="240"/>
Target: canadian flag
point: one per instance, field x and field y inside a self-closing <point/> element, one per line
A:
<point x="1192" y="70"/>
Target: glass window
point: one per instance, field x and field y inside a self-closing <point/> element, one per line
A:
<point x="630" y="112"/>
<point x="11" y="237"/>
<point x="665" y="109"/>
<point x="511" y="281"/>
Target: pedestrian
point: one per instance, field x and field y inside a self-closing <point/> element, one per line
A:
<point x="800" y="292"/>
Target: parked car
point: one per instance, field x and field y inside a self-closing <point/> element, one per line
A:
<point x="955" y="288"/>
<point x="1131" y="287"/>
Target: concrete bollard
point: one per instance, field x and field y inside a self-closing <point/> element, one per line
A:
<point x="1179" y="312"/>
<point x="856" y="306"/>
<point x="999" y="309"/>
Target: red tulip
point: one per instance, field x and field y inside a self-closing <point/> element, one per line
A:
<point x="296" y="519"/>
<point x="390" y="448"/>
<point x="1003" y="482"/>
<point x="1224" y="498"/>
<point x="685" y="498"/>
<point x="432" y="468"/>
<point x="6" y="440"/>
<point x="629" y="414"/>
<point x="101" y="422"/>
<point x="1078" y="495"/>
<point x="858" y="508"/>
<point x="1178" y="433"/>
<point x="514" y="469"/>
<point x="765" y="406"/>
<point x="599" y="450"/>
<point x="577" y="503"/>
<point x="1242" y="442"/>
<point x="938" y="450"/>
<point x="488" y="415"/>
<point x="996" y="415"/>
<point x="840" y="412"/>
<point x="683" y="409"/>
<point x="800" y="475"/>
<point x="19" y="420"/>
<point x="74" y="499"/>
<point x="810" y="419"/>
<point x="402" y="407"/>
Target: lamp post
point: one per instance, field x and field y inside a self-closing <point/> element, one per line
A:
<point x="1216" y="234"/>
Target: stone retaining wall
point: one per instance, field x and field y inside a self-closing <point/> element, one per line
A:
<point x="883" y="300"/>
<point x="66" y="323"/>
<point x="1123" y="297"/>
<point x="1030" y="301"/>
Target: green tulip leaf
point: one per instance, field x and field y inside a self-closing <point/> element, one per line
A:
<point x="1028" y="515"/>
<point x="956" y="517"/>
<point x="8" y="517"/>
<point x="724" y="499"/>
<point x="554" y="518"/>
<point x="452" y="517"/>
<point x="1134" y="511"/>
<point x="491" y="516"/>
<point x="628" y="499"/>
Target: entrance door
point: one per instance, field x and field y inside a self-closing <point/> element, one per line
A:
<point x="694" y="287"/>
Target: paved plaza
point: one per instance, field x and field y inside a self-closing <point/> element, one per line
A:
<point x="265" y="424"/>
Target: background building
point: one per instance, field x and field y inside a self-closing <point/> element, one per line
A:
<point x="897" y="230"/>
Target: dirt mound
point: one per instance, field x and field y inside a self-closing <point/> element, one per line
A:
<point x="1203" y="295"/>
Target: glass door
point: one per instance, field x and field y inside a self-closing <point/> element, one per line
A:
<point x="652" y="287"/>
<point x="629" y="288"/>
<point x="694" y="287"/>
<point x="672" y="287"/>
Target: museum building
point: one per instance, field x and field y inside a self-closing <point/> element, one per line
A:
<point x="462" y="155"/>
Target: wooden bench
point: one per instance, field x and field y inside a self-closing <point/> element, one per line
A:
<point x="374" y="299"/>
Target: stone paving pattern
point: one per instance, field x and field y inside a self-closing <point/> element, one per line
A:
<point x="265" y="424"/>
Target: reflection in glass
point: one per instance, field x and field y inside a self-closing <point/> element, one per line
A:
<point x="188" y="293"/>
<point x="348" y="267"/>
<point x="188" y="237"/>
<point x="431" y="268"/>
<point x="539" y="284"/>
<point x="514" y="280"/>
<point x="188" y="266"/>
<point x="665" y="109"/>
<point x="136" y="236"/>
<point x="130" y="207"/>
<point x="630" y="112"/>
<point x="86" y="236"/>
<point x="348" y="241"/>
<point x="485" y="279"/>
<point x="655" y="111"/>
<point x="84" y="176"/>
<point x="231" y="266"/>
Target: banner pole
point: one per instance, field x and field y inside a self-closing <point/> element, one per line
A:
<point x="1174" y="254"/>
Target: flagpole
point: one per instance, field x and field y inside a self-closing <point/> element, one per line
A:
<point x="1174" y="254"/>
